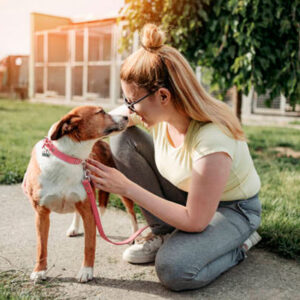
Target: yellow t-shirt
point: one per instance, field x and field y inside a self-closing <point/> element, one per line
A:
<point x="176" y="164"/>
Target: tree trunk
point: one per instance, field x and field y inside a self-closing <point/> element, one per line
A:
<point x="237" y="103"/>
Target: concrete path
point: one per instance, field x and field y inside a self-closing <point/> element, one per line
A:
<point x="262" y="275"/>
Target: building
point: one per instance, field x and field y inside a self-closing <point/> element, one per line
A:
<point x="255" y="108"/>
<point x="14" y="76"/>
<point x="78" y="63"/>
<point x="74" y="62"/>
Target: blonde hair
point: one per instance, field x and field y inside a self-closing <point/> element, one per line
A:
<point x="157" y="65"/>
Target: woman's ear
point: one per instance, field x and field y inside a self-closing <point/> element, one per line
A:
<point x="65" y="126"/>
<point x="164" y="95"/>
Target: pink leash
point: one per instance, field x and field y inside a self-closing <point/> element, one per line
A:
<point x="88" y="188"/>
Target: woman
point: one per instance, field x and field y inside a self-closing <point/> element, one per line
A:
<point x="193" y="177"/>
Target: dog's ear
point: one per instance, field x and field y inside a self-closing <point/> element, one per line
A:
<point x="66" y="125"/>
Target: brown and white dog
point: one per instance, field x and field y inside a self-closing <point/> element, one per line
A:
<point x="54" y="185"/>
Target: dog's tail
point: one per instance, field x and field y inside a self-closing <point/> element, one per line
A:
<point x="103" y="200"/>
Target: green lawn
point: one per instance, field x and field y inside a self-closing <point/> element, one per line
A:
<point x="295" y="123"/>
<point x="23" y="124"/>
<point x="16" y="285"/>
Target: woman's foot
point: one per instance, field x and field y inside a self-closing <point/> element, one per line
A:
<point x="144" y="250"/>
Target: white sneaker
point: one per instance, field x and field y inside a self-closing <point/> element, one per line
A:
<point x="253" y="239"/>
<point x="144" y="250"/>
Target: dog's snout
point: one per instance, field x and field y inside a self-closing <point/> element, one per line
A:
<point x="119" y="119"/>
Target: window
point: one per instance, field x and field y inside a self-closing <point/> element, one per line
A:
<point x="262" y="102"/>
<point x="100" y="43"/>
<point x="79" y="45"/>
<point x="57" y="47"/>
<point x="77" y="73"/>
<point x="98" y="80"/>
<point x="39" y="48"/>
<point x="39" y="79"/>
<point x="56" y="80"/>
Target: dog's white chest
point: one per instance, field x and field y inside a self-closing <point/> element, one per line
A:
<point x="60" y="182"/>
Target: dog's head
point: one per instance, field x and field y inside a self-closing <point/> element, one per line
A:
<point x="87" y="123"/>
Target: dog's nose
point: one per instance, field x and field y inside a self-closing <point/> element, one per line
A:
<point x="125" y="118"/>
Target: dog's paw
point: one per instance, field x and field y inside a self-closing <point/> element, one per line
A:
<point x="38" y="276"/>
<point x="85" y="274"/>
<point x="72" y="231"/>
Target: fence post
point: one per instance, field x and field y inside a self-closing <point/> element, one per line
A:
<point x="282" y="104"/>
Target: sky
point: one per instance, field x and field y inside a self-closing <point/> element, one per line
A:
<point x="15" y="18"/>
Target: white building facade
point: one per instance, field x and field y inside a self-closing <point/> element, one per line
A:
<point x="79" y="63"/>
<point x="75" y="62"/>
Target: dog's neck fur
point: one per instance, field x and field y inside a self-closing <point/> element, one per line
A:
<point x="76" y="149"/>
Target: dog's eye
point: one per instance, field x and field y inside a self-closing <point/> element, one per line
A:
<point x="100" y="111"/>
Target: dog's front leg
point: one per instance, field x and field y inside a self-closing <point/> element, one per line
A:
<point x="85" y="210"/>
<point x="42" y="224"/>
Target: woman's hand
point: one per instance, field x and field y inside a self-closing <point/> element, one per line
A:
<point x="107" y="179"/>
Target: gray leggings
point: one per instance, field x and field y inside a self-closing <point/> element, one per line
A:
<point x="186" y="260"/>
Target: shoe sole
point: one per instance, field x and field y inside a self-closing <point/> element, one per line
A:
<point x="139" y="260"/>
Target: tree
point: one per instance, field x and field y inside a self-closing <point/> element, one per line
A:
<point x="245" y="42"/>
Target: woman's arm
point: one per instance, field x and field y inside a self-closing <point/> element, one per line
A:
<point x="209" y="178"/>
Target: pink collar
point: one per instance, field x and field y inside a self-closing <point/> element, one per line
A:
<point x="67" y="158"/>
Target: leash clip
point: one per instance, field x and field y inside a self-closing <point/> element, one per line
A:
<point x="86" y="175"/>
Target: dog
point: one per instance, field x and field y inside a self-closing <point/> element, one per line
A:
<point x="52" y="184"/>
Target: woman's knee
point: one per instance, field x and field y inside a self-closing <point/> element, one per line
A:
<point x="178" y="272"/>
<point x="129" y="141"/>
<point x="167" y="273"/>
<point x="174" y="274"/>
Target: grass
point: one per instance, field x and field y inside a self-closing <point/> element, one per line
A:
<point x="295" y="123"/>
<point x="16" y="285"/>
<point x="280" y="192"/>
<point x="23" y="124"/>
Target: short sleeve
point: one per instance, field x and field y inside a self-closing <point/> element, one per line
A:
<point x="211" y="139"/>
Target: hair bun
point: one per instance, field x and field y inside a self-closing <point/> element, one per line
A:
<point x="152" y="37"/>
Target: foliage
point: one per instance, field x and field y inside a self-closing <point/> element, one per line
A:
<point x="246" y="42"/>
<point x="181" y="19"/>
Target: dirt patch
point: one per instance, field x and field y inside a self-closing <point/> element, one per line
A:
<point x="286" y="151"/>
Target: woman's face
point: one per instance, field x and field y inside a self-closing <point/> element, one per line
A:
<point x="148" y="109"/>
